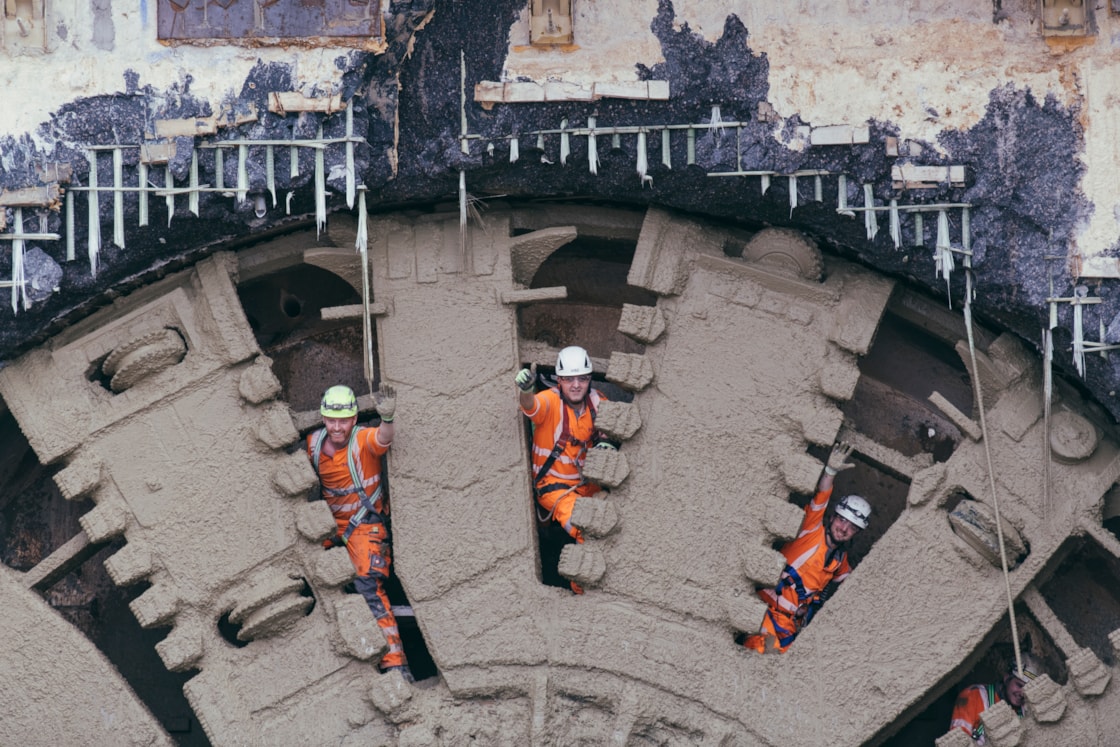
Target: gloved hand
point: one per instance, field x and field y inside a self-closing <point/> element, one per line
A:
<point x="385" y="402"/>
<point x="606" y="445"/>
<point x="526" y="378"/>
<point x="838" y="459"/>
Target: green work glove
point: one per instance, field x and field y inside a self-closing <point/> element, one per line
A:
<point x="385" y="402"/>
<point x="606" y="445"/>
<point x="838" y="459"/>
<point x="526" y="378"/>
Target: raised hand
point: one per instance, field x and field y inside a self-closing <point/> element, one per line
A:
<point x="838" y="460"/>
<point x="385" y="402"/>
<point x="526" y="378"/>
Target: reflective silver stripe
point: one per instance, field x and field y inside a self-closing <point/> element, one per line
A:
<point x="339" y="508"/>
<point x="787" y="605"/>
<point x="777" y="600"/>
<point x="339" y="492"/>
<point x="803" y="558"/>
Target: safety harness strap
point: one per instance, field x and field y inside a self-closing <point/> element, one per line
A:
<point x="367" y="514"/>
<point x="785" y="637"/>
<point x="561" y="444"/>
<point x="978" y="732"/>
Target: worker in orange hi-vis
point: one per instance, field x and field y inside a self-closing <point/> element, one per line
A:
<point x="816" y="557"/>
<point x="975" y="699"/>
<point x="347" y="458"/>
<point x="563" y="430"/>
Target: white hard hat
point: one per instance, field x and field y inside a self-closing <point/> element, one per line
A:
<point x="1032" y="668"/>
<point x="855" y="509"/>
<point x="573" y="361"/>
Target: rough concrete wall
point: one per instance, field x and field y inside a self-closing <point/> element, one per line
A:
<point x="1022" y="114"/>
<point x="166" y="107"/>
<point x="104" y="48"/>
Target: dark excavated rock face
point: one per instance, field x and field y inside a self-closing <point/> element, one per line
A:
<point x="1022" y="161"/>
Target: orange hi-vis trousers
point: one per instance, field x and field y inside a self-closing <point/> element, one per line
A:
<point x="775" y="627"/>
<point x="560" y="502"/>
<point x="369" y="552"/>
<point x="561" y="509"/>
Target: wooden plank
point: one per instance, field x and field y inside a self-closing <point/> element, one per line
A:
<point x="60" y="562"/>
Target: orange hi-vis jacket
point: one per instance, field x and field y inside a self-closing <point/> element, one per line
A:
<point x="334" y="474"/>
<point x="810" y="566"/>
<point x="972" y="701"/>
<point x="549" y="414"/>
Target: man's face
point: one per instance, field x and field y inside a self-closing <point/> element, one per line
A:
<point x="1013" y="686"/>
<point x="338" y="429"/>
<point x="574" y="388"/>
<point x="840" y="529"/>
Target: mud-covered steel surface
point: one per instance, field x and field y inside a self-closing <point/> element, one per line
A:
<point x="741" y="381"/>
<point x="741" y="362"/>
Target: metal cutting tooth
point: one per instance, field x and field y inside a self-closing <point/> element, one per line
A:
<point x="143" y="357"/>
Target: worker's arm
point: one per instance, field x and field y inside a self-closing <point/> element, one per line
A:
<point x="815" y="510"/>
<point x="526" y="379"/>
<point x="385" y="402"/>
<point x="966" y="711"/>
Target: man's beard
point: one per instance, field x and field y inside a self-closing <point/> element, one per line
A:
<point x="576" y="403"/>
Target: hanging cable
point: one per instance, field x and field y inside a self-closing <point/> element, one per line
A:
<point x="1048" y="395"/>
<point x="361" y="243"/>
<point x="991" y="472"/>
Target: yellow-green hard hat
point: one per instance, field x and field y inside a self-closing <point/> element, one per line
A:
<point x="339" y="402"/>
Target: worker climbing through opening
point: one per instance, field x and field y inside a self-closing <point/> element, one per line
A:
<point x="975" y="699"/>
<point x="815" y="558"/>
<point x="563" y="420"/>
<point x="347" y="458"/>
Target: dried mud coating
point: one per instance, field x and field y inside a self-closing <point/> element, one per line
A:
<point x="143" y="357"/>
<point x="748" y="376"/>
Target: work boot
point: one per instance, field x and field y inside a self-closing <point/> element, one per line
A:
<point x="763" y="643"/>
<point x="756" y="643"/>
<point x="404" y="670"/>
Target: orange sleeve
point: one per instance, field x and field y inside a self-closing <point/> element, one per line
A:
<point x="371" y="443"/>
<point x="814" y="512"/>
<point x="967" y="710"/>
<point x="542" y="406"/>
